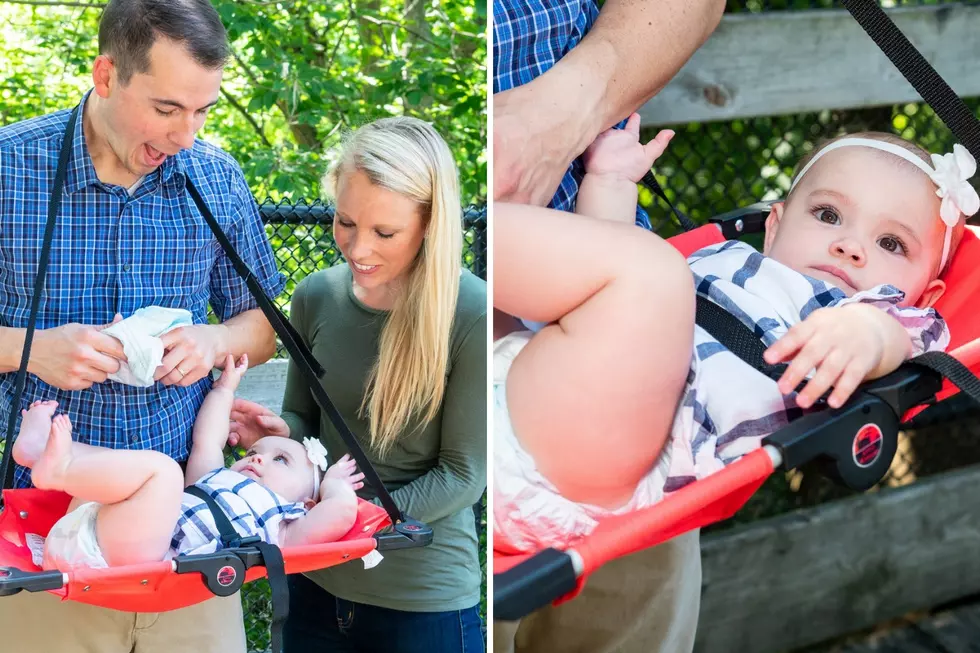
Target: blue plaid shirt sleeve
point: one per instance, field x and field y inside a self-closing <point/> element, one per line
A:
<point x="529" y="37"/>
<point x="229" y="294"/>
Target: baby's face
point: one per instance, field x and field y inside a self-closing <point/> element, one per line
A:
<point x="860" y="218"/>
<point x="281" y="465"/>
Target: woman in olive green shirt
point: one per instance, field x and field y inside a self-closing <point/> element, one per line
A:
<point x="401" y="332"/>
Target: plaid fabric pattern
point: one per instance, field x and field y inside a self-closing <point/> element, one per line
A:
<point x="529" y="37"/>
<point x="728" y="407"/>
<point x="113" y="252"/>
<point x="253" y="509"/>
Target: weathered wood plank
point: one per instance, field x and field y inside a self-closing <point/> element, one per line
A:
<point x="796" y="61"/>
<point x="842" y="567"/>
<point x="955" y="631"/>
<point x="265" y="384"/>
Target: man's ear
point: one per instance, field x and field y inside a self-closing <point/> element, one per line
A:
<point x="103" y="75"/>
<point x="933" y="291"/>
<point x="772" y="225"/>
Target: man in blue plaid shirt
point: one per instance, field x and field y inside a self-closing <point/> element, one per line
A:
<point x="564" y="72"/>
<point x="128" y="235"/>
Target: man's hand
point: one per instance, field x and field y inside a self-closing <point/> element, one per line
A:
<point x="536" y="135"/>
<point x="618" y="152"/>
<point x="191" y="353"/>
<point x="847" y="345"/>
<point x="74" y="356"/>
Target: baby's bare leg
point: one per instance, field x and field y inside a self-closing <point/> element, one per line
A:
<point x="140" y="493"/>
<point x="592" y="397"/>
<point x="328" y="520"/>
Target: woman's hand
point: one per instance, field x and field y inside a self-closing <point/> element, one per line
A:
<point x="847" y="345"/>
<point x="251" y="421"/>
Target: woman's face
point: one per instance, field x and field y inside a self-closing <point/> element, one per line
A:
<point x="379" y="232"/>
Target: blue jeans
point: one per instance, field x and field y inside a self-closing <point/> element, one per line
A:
<point x="319" y="622"/>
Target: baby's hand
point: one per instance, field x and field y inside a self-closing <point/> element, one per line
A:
<point x="232" y="374"/>
<point x="845" y="344"/>
<point x="618" y="152"/>
<point x="345" y="470"/>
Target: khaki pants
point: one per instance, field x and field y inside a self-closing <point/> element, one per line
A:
<point x="41" y="623"/>
<point x="644" y="603"/>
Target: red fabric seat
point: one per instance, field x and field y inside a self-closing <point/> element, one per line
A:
<point x="155" y="587"/>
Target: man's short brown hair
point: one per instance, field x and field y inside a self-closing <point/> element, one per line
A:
<point x="129" y="28"/>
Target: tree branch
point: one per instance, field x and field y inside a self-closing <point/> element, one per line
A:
<point x="395" y="23"/>
<point x="248" y="117"/>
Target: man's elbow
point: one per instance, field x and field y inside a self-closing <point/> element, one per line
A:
<point x="264" y="346"/>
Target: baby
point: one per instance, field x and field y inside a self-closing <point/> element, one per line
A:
<point x="130" y="507"/>
<point x="621" y="398"/>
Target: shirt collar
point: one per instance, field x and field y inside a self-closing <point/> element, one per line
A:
<point x="81" y="169"/>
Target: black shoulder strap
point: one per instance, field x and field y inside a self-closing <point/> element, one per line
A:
<point x="302" y="358"/>
<point x="651" y="182"/>
<point x="735" y="336"/>
<point x="226" y="531"/>
<point x="6" y="464"/>
<point x="272" y="559"/>
<point x="919" y="73"/>
<point x="746" y="344"/>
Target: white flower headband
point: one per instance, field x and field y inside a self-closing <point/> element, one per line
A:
<point x="951" y="176"/>
<point x="317" y="455"/>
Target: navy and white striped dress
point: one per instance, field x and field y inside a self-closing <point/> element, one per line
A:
<point x="729" y="407"/>
<point x="253" y="509"/>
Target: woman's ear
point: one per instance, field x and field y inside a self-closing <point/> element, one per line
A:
<point x="772" y="225"/>
<point x="933" y="291"/>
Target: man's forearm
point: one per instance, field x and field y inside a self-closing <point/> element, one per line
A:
<point x="11" y="348"/>
<point x="249" y="333"/>
<point x="632" y="51"/>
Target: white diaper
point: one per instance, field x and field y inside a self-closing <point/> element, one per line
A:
<point x="72" y="541"/>
<point x="528" y="512"/>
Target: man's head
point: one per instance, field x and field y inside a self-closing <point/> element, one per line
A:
<point x="157" y="74"/>
<point x="862" y="217"/>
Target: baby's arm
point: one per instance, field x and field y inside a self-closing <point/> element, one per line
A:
<point x="847" y="344"/>
<point x="614" y="163"/>
<point x="327" y="521"/>
<point x="334" y="515"/>
<point x="211" y="425"/>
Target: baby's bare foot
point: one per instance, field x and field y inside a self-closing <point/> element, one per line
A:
<point x="34" y="428"/>
<point x="49" y="471"/>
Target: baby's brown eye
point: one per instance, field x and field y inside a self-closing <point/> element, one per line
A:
<point x="890" y="244"/>
<point x="828" y="216"/>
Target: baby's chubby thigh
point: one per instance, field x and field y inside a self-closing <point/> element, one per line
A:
<point x="139" y="529"/>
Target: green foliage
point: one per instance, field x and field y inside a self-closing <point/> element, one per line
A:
<point x="302" y="73"/>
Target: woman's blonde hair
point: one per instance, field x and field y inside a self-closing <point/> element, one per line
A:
<point x="407" y="156"/>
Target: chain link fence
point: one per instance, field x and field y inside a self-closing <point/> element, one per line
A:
<point x="712" y="168"/>
<point x="301" y="234"/>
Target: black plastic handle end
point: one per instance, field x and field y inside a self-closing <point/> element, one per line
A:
<point x="533" y="584"/>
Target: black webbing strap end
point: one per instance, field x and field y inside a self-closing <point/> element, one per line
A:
<point x="275" y="568"/>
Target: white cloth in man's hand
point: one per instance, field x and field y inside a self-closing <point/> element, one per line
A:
<point x="140" y="337"/>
